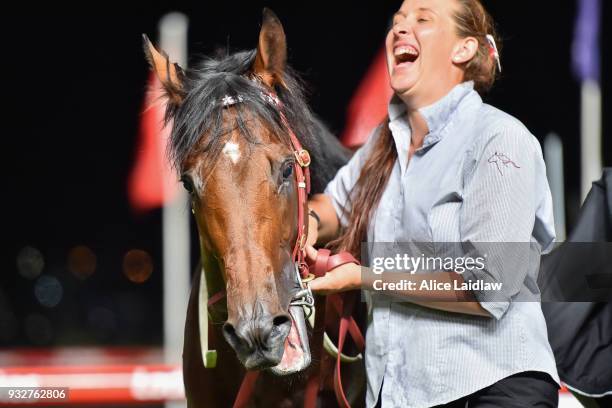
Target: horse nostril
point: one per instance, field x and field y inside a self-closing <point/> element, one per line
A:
<point x="281" y="325"/>
<point x="229" y="332"/>
<point x="280" y="320"/>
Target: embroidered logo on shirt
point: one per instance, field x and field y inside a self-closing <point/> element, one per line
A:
<point x="502" y="161"/>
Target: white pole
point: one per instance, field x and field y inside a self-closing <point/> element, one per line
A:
<point x="553" y="153"/>
<point x="590" y="130"/>
<point x="175" y="221"/>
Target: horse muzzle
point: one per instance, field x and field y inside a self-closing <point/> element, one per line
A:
<point x="278" y="342"/>
<point x="258" y="341"/>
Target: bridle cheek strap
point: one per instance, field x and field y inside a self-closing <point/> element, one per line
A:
<point x="302" y="178"/>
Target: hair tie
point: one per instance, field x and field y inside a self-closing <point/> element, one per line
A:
<point x="493" y="52"/>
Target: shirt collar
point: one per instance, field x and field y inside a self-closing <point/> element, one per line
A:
<point x="437" y="115"/>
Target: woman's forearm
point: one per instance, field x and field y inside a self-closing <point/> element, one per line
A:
<point x="450" y="300"/>
<point x="329" y="225"/>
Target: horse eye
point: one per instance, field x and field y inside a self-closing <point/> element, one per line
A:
<point x="187" y="184"/>
<point x="287" y="171"/>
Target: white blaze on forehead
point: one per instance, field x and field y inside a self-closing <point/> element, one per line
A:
<point x="232" y="151"/>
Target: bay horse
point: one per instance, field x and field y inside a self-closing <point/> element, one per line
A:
<point x="236" y="121"/>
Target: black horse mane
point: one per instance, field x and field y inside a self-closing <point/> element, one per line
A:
<point x="200" y="115"/>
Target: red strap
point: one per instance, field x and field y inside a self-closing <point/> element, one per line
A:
<point x="322" y="264"/>
<point x="302" y="178"/>
<point x="349" y="301"/>
<point x="216" y="297"/>
<point x="325" y="262"/>
<point x="315" y="380"/>
<point x="340" y="259"/>
<point x="246" y="389"/>
<point x="319" y="268"/>
<point x="353" y="328"/>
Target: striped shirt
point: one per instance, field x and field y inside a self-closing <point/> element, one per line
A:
<point x="479" y="177"/>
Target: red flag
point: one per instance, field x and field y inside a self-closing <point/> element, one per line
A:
<point x="152" y="181"/>
<point x="369" y="104"/>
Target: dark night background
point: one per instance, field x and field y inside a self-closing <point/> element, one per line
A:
<point x="73" y="85"/>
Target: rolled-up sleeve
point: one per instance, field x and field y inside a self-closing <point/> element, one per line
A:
<point x="340" y="187"/>
<point x="498" y="214"/>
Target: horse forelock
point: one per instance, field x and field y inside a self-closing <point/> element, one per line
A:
<point x="200" y="125"/>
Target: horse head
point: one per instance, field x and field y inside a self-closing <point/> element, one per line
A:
<point x="232" y="120"/>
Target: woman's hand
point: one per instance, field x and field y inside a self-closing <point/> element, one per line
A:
<point x="341" y="279"/>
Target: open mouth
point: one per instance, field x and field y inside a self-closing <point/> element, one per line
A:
<point x="296" y="355"/>
<point x="405" y="55"/>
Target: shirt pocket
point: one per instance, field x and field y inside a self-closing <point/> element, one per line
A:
<point x="443" y="218"/>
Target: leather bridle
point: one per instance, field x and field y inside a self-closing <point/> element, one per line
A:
<point x="301" y="169"/>
<point x="303" y="297"/>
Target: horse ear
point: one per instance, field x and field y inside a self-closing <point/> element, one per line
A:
<point x="170" y="74"/>
<point x="271" y="50"/>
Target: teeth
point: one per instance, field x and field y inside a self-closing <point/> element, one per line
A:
<point x="406" y="50"/>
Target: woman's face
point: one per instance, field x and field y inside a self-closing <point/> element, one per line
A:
<point x="422" y="49"/>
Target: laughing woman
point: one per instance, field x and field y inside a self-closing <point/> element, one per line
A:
<point x="445" y="167"/>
